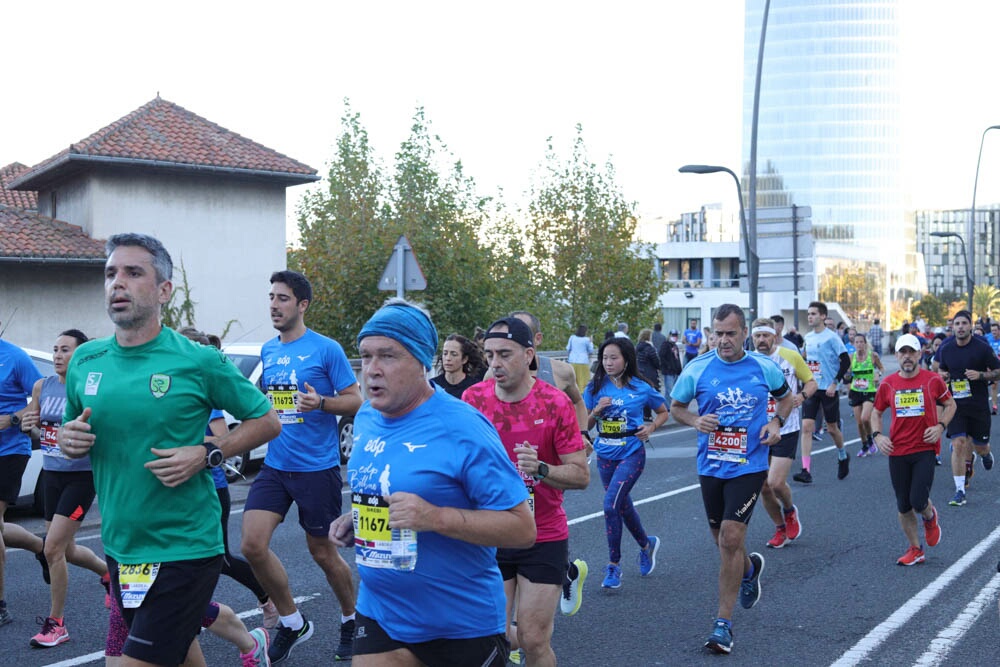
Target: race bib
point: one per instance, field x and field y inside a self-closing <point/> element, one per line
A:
<point x="728" y="443"/>
<point x="772" y="407"/>
<point x="860" y="384"/>
<point x="960" y="389"/>
<point x="135" y="581"/>
<point x="372" y="536"/>
<point x="48" y="439"/>
<point x="814" y="368"/>
<point x="531" y="496"/>
<point x="284" y="399"/>
<point x="613" y="426"/>
<point x="909" y="403"/>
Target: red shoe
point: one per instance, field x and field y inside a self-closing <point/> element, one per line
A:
<point x="932" y="530"/>
<point x="52" y="634"/>
<point x="779" y="539"/>
<point x="912" y="556"/>
<point x="792" y="524"/>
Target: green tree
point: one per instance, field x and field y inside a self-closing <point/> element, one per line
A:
<point x="347" y="236"/>
<point x="438" y="208"/>
<point x="986" y="301"/>
<point x="855" y="286"/>
<point x="582" y="249"/>
<point x="932" y="309"/>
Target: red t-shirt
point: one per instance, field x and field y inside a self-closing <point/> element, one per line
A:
<point x="914" y="404"/>
<point x="546" y="420"/>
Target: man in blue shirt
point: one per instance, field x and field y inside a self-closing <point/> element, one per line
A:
<point x="435" y="467"/>
<point x="17" y="376"/>
<point x="309" y="382"/>
<point x="692" y="341"/>
<point x="993" y="338"/>
<point x="732" y="387"/>
<point x="827" y="358"/>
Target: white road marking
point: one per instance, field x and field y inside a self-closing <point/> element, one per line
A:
<point x="941" y="646"/>
<point x="880" y="633"/>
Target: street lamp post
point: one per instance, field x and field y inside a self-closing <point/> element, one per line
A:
<point x="970" y="230"/>
<point x="968" y="276"/>
<point x="750" y="251"/>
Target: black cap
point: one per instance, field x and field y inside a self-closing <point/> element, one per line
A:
<point x="673" y="332"/>
<point x="517" y="331"/>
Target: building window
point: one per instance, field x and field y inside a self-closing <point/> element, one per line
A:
<point x="52" y="202"/>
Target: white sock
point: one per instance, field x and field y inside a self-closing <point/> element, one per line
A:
<point x="960" y="482"/>
<point x="345" y="619"/>
<point x="293" y="621"/>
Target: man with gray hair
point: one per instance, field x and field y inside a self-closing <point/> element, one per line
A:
<point x="622" y="331"/>
<point x="432" y="469"/>
<point x="732" y="388"/>
<point x="137" y="403"/>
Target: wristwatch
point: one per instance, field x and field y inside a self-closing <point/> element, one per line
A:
<point x="15" y="420"/>
<point x="781" y="420"/>
<point x="876" y="434"/>
<point x="213" y="456"/>
<point x="543" y="471"/>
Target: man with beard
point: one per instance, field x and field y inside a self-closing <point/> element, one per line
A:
<point x="310" y="382"/>
<point x="968" y="364"/>
<point x="913" y="395"/>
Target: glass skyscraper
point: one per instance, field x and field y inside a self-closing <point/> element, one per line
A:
<point x="829" y="136"/>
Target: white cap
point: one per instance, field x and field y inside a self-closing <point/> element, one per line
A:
<point x="908" y="340"/>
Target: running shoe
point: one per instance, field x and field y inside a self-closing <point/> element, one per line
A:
<point x="932" y="530"/>
<point x="750" y="588"/>
<point x="805" y="477"/>
<point x="345" y="650"/>
<point x="270" y="614"/>
<point x="286" y="639"/>
<point x="647" y="557"/>
<point x="515" y="657"/>
<point x="863" y="452"/>
<point x="843" y="467"/>
<point x="106" y="582"/>
<point x="721" y="639"/>
<point x="793" y="527"/>
<point x="779" y="539"/>
<point x="6" y="618"/>
<point x="958" y="500"/>
<point x="818" y="435"/>
<point x="993" y="408"/>
<point x="937" y="460"/>
<point x="987" y="461"/>
<point x="572" y="595"/>
<point x="612" y="576"/>
<point x="912" y="556"/>
<point x="52" y="634"/>
<point x="258" y="656"/>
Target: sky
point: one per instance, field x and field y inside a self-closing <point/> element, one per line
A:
<point x="655" y="85"/>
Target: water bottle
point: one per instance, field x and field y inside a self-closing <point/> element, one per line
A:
<point x="404" y="549"/>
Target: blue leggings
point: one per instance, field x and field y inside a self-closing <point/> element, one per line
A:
<point x="618" y="478"/>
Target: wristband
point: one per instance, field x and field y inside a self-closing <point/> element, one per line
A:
<point x="322" y="400"/>
<point x="876" y="434"/>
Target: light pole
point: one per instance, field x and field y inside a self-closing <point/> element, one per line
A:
<point x="970" y="230"/>
<point x="968" y="277"/>
<point x="750" y="251"/>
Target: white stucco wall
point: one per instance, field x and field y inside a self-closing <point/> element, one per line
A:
<point x="51" y="298"/>
<point x="229" y="235"/>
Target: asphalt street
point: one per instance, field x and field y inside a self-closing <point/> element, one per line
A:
<point x="833" y="597"/>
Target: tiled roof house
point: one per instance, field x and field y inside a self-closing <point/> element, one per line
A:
<point x="213" y="197"/>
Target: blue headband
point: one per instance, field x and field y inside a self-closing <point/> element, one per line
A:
<point x="406" y="325"/>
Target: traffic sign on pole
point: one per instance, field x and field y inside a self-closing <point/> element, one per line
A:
<point x="402" y="271"/>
